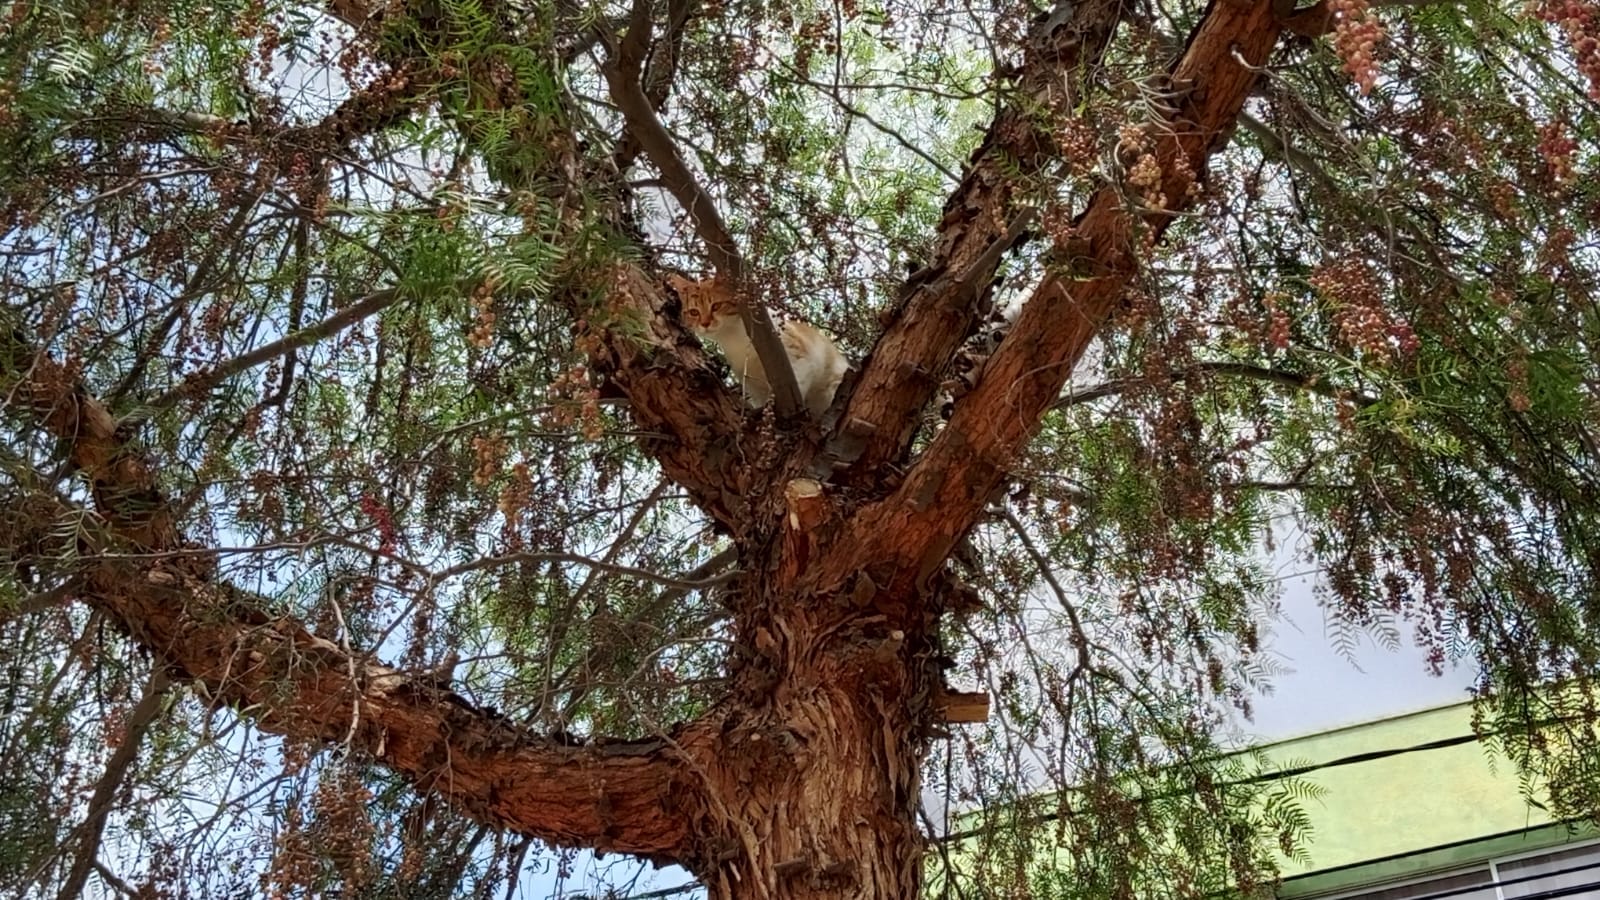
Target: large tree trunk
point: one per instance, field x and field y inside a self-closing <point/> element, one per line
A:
<point x="803" y="781"/>
<point x="813" y="783"/>
<point x="820" y="787"/>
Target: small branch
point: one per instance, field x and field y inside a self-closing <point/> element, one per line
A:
<point x="691" y="581"/>
<point x="202" y="382"/>
<point x="110" y="878"/>
<point x="1278" y="147"/>
<point x="89" y="833"/>
<point x="1080" y="637"/>
<point x="688" y="583"/>
<point x="1312" y="383"/>
<point x="837" y="96"/>
<point x="622" y="76"/>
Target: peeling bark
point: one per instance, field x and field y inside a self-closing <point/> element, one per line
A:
<point x="816" y="783"/>
<point x="908" y="535"/>
<point x="803" y="781"/>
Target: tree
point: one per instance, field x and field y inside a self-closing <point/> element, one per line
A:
<point x="352" y="435"/>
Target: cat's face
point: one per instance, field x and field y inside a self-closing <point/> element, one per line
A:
<point x="705" y="303"/>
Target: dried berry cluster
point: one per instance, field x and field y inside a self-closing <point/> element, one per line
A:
<point x="514" y="497"/>
<point x="1144" y="173"/>
<point x="488" y="454"/>
<point x="482" y="335"/>
<point x="1580" y="19"/>
<point x="1356" y="33"/>
<point x="383" y="520"/>
<point x="1557" y="150"/>
<point x="577" y="402"/>
<point x="1278" y="333"/>
<point x="1364" y="324"/>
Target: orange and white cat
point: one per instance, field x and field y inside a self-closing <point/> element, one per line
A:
<point x="712" y="311"/>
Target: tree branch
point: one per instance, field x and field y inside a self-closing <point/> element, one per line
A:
<point x="950" y="484"/>
<point x="689" y="582"/>
<point x="623" y="77"/>
<point x="1313" y="383"/>
<point x="631" y="797"/>
<point x="983" y="219"/>
<point x="89" y="833"/>
<point x="202" y="382"/>
<point x="671" y="392"/>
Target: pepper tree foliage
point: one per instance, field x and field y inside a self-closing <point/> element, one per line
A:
<point x="338" y="271"/>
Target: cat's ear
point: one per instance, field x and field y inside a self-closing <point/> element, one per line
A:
<point x="679" y="283"/>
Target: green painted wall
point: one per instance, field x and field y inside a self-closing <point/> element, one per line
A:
<point x="1432" y="805"/>
<point x="1403" y="797"/>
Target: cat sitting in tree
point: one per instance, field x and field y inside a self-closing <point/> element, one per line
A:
<point x="711" y="310"/>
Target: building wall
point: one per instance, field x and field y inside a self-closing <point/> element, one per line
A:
<point x="1408" y="795"/>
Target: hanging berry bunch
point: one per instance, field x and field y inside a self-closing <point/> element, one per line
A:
<point x="1580" y="20"/>
<point x="1356" y="33"/>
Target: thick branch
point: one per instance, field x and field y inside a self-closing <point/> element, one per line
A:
<point x="947" y="489"/>
<point x="625" y="797"/>
<point x="983" y="218"/>
<point x="674" y="395"/>
<point x="623" y="77"/>
<point x="123" y="487"/>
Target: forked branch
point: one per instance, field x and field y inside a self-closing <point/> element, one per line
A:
<point x="950" y="484"/>
<point x="984" y="218"/>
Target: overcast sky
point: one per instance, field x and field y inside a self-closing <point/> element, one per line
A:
<point x="1322" y="688"/>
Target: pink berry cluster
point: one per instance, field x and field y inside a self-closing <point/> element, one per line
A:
<point x="1356" y="33"/>
<point x="1580" y="19"/>
<point x="1278" y="331"/>
<point x="382" y="519"/>
<point x="482" y="334"/>
<point x="1364" y="323"/>
<point x="1557" y="148"/>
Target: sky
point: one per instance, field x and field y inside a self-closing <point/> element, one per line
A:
<point x="1322" y="689"/>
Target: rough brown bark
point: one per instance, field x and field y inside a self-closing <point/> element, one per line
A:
<point x="803" y="781"/>
<point x="939" y="305"/>
<point x="816" y="780"/>
<point x="909" y="534"/>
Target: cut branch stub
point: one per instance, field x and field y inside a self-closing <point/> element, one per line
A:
<point x="807" y="508"/>
<point x="806" y="503"/>
<point x="962" y="707"/>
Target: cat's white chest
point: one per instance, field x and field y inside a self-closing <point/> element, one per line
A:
<point x="818" y="365"/>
